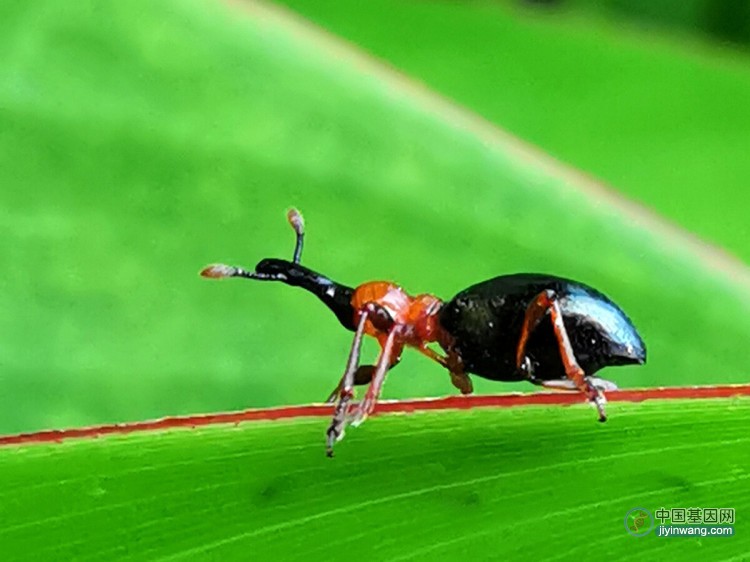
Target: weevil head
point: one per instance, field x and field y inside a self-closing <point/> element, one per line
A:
<point x="335" y="296"/>
<point x="278" y="270"/>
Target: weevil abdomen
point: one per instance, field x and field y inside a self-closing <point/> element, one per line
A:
<point x="485" y="323"/>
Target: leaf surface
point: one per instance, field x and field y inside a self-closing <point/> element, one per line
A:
<point x="533" y="482"/>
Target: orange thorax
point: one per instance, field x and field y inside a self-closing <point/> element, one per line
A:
<point x="417" y="316"/>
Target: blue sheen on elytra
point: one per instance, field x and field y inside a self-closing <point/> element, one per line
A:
<point x="607" y="316"/>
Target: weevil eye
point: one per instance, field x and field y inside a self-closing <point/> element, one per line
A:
<point x="380" y="317"/>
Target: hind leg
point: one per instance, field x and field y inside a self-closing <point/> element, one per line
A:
<point x="546" y="303"/>
<point x="569" y="385"/>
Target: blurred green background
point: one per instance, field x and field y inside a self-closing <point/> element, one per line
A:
<point x="141" y="140"/>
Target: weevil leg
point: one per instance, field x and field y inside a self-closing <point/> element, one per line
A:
<point x="335" y="431"/>
<point x="382" y="321"/>
<point x="546" y="302"/>
<point x="565" y="384"/>
<point x="384" y="361"/>
<point x="535" y="313"/>
<point x="569" y="385"/>
<point x="434" y="355"/>
<point x="602" y="384"/>
<point x="455" y="367"/>
<point x="459" y="377"/>
<point x="557" y="384"/>
<point x="462" y="382"/>
<point x="362" y="376"/>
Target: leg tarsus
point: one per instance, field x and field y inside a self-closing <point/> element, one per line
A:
<point x="462" y="382"/>
<point x="599" y="403"/>
<point x="596" y="399"/>
<point x="337" y="428"/>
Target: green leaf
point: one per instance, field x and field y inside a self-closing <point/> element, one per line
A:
<point x="650" y="113"/>
<point x="545" y="483"/>
<point x="140" y="141"/>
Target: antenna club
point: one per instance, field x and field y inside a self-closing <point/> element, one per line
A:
<point x="218" y="271"/>
<point x="297" y="221"/>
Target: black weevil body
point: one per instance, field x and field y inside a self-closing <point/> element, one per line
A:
<point x="551" y="331"/>
<point x="486" y="323"/>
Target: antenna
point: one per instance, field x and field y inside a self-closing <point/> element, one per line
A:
<point x="297" y="222"/>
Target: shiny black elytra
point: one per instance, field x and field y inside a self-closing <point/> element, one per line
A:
<point x="486" y="322"/>
<point x="550" y="331"/>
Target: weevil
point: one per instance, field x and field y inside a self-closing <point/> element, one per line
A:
<point x="548" y="330"/>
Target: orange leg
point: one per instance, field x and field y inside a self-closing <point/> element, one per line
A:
<point x="366" y="373"/>
<point x="455" y="367"/>
<point x="382" y="321"/>
<point x="391" y="350"/>
<point x="336" y="429"/>
<point x="362" y="376"/>
<point x="544" y="302"/>
<point x="435" y="356"/>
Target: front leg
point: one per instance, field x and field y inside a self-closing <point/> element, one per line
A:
<point x="391" y="349"/>
<point x="362" y="376"/>
<point x="382" y="321"/>
<point x="335" y="431"/>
